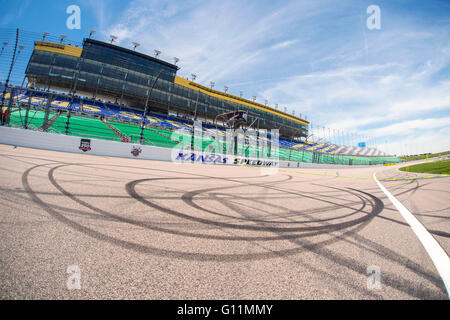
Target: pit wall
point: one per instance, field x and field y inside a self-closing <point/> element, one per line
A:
<point x="73" y="144"/>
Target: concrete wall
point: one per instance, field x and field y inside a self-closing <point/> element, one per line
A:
<point x="60" y="142"/>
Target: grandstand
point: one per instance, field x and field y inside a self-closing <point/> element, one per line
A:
<point x="31" y="109"/>
<point x="104" y="91"/>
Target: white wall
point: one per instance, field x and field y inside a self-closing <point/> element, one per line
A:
<point x="60" y="142"/>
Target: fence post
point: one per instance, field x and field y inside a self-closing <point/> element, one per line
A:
<point x="25" y="125"/>
<point x="8" y="111"/>
<point x="47" y="111"/>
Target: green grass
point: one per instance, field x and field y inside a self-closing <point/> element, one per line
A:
<point x="411" y="158"/>
<point x="436" y="167"/>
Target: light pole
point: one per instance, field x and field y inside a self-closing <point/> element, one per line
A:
<point x="45" y="35"/>
<point x="4" y="46"/>
<point x="146" y="107"/>
<point x="18" y="53"/>
<point x="157" y="53"/>
<point x="135" y="45"/>
<point x="193" y="76"/>
<point x="9" y="74"/>
<point x="91" y="32"/>
<point x="112" y="38"/>
<point x="74" y="89"/>
<point x="62" y="38"/>
<point x="175" y="60"/>
<point x="212" y="83"/>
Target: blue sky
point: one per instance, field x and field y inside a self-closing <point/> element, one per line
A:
<point x="315" y="57"/>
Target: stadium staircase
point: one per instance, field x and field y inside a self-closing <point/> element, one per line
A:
<point x="49" y="122"/>
<point x="152" y="136"/>
<point x="123" y="137"/>
<point x="161" y="133"/>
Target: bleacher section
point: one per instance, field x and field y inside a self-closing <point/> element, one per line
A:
<point x="97" y="119"/>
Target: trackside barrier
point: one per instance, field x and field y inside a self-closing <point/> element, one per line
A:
<point x="60" y="142"/>
<point x="82" y="145"/>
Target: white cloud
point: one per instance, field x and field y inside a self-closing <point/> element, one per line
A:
<point x="283" y="45"/>
<point x="408" y="128"/>
<point x="422" y="141"/>
<point x="308" y="57"/>
<point x="212" y="39"/>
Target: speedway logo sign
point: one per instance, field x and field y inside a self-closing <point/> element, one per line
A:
<point x="136" y="150"/>
<point x="85" y="145"/>
<point x="220" y="159"/>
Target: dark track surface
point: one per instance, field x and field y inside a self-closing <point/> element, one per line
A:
<point x="156" y="230"/>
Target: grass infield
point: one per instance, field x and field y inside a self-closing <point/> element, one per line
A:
<point x="412" y="158"/>
<point x="436" y="167"/>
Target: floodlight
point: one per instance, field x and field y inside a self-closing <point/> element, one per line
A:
<point x="135" y="45"/>
<point x="113" y="38"/>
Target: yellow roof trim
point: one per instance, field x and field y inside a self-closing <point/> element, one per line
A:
<point x="58" y="48"/>
<point x="222" y="95"/>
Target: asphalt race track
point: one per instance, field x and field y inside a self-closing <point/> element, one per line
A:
<point x="138" y="229"/>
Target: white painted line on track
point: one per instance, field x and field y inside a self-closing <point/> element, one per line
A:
<point x="439" y="257"/>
